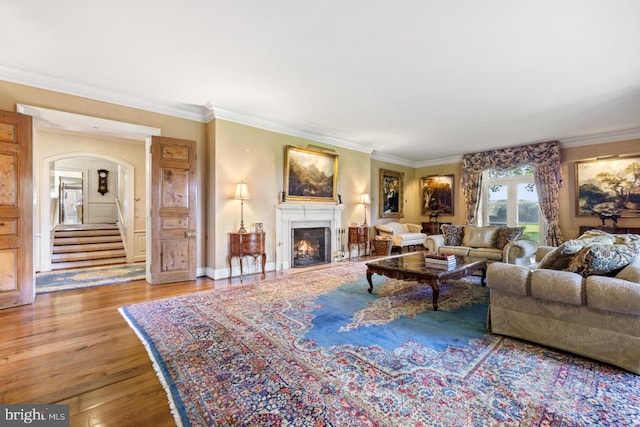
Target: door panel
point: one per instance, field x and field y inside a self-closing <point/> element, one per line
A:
<point x="173" y="210"/>
<point x="16" y="210"/>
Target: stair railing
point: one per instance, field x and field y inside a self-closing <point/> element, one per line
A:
<point x="122" y="226"/>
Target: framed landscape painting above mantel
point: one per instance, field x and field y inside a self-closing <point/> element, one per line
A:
<point x="390" y="189"/>
<point x="310" y="175"/>
<point x="608" y="186"/>
<point x="437" y="195"/>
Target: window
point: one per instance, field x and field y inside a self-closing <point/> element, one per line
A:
<point x="510" y="198"/>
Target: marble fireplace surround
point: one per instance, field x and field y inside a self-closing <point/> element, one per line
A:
<point x="292" y="215"/>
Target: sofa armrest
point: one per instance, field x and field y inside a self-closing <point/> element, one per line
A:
<point x="519" y="251"/>
<point x="433" y="242"/>
<point x="414" y="228"/>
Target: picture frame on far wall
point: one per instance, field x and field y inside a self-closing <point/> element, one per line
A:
<point x="310" y="175"/>
<point x="391" y="194"/>
<point x="438" y="196"/>
<point x="608" y="186"/>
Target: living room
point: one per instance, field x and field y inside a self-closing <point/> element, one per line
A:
<point x="381" y="87"/>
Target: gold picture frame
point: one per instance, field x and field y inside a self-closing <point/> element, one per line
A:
<point x="438" y="194"/>
<point x="608" y="186"/>
<point x="310" y="175"/>
<point x="391" y="194"/>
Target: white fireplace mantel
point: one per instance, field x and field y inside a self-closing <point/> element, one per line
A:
<point x="296" y="215"/>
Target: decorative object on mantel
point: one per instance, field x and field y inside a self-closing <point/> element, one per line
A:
<point x="102" y="181"/>
<point x="242" y="194"/>
<point x="310" y="175"/>
<point x="365" y="200"/>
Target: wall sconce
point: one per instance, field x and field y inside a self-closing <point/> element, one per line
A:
<point x="365" y="200"/>
<point x="242" y="194"/>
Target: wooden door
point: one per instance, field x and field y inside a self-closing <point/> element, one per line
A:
<point x="16" y="210"/>
<point x="173" y="210"/>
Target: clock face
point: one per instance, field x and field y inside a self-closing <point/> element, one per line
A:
<point x="103" y="175"/>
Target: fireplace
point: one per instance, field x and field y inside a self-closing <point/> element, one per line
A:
<point x="304" y="217"/>
<point x="310" y="246"/>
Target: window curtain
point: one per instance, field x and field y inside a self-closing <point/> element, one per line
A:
<point x="543" y="157"/>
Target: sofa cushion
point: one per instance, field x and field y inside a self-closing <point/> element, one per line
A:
<point x="601" y="259"/>
<point x="558" y="286"/>
<point x="480" y="237"/>
<point x="453" y="234"/>
<point x="454" y="250"/>
<point x="505" y="235"/>
<point x="631" y="272"/>
<point x="613" y="294"/>
<point x="493" y="254"/>
<point x="393" y="228"/>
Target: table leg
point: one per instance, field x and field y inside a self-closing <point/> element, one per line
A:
<point x="241" y="268"/>
<point x="435" y="288"/>
<point x="264" y="263"/>
<point x="229" y="259"/>
<point x="369" y="274"/>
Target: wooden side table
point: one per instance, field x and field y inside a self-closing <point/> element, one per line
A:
<point x="432" y="227"/>
<point x="358" y="236"/>
<point x="246" y="244"/>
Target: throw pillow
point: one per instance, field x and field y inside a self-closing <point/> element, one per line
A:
<point x="508" y="234"/>
<point x="601" y="259"/>
<point x="480" y="237"/>
<point x="560" y="257"/>
<point x="453" y="234"/>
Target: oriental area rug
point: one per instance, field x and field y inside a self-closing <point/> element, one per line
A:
<point x="316" y="349"/>
<point x="53" y="281"/>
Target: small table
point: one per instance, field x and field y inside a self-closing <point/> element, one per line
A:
<point x="413" y="267"/>
<point x="358" y="236"/>
<point x="247" y="244"/>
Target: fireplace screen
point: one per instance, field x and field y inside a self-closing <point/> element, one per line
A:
<point x="310" y="246"/>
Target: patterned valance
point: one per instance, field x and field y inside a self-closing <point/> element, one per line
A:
<point x="543" y="157"/>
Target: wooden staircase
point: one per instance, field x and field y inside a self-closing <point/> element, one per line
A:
<point x="86" y="245"/>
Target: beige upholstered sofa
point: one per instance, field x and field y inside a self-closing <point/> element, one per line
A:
<point x="595" y="316"/>
<point x="494" y="243"/>
<point x="402" y="235"/>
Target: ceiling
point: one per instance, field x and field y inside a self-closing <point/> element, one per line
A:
<point x="411" y="81"/>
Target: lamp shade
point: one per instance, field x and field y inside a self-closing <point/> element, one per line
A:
<point x="242" y="192"/>
<point x="365" y="199"/>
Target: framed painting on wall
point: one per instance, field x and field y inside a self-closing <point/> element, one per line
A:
<point x="390" y="194"/>
<point x="608" y="186"/>
<point x="437" y="194"/>
<point x="310" y="175"/>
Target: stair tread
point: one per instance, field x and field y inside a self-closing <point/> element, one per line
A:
<point x="87" y="263"/>
<point x="61" y="241"/>
<point x="78" y="256"/>
<point x="88" y="247"/>
<point x="86" y="233"/>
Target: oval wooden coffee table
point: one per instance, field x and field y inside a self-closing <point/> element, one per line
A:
<point x="413" y="267"/>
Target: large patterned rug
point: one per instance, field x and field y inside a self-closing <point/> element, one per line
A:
<point x="53" y="281"/>
<point x="316" y="349"/>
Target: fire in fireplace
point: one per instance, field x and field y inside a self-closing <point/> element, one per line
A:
<point x="310" y="246"/>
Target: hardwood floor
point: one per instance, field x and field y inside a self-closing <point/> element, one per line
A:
<point x="74" y="347"/>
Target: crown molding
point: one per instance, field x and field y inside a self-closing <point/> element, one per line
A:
<point x="16" y="74"/>
<point x="392" y="159"/>
<point x="600" y="138"/>
<point x="245" y="119"/>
